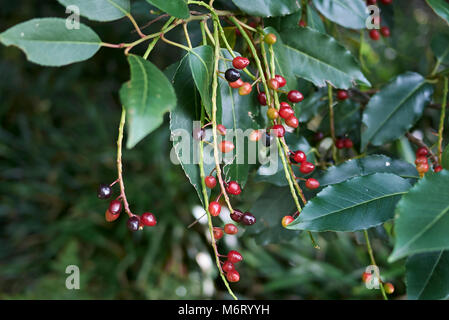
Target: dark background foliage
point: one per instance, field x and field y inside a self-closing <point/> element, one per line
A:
<point x="57" y="143"/>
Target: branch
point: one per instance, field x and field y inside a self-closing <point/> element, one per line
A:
<point x="420" y="144"/>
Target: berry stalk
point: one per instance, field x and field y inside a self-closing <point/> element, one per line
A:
<point x="442" y="118"/>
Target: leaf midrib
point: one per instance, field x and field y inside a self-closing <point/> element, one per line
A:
<point x="430" y="274"/>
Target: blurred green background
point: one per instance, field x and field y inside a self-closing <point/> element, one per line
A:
<point x="58" y="129"/>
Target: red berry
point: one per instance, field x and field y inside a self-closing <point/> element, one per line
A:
<point x="292" y="122"/>
<point x="262" y="97"/>
<point x="421" y="160"/>
<point x="312" y="184"/>
<point x="234" y="256"/>
<point x="270" y="38"/>
<point x="273" y="84"/>
<point x="306" y="167"/>
<point x="286" y="112"/>
<point x="385" y="31"/>
<point x="342" y="95"/>
<point x="279" y="130"/>
<point x="230" y="229"/>
<point x="236" y="84"/>
<point x="110" y="217"/>
<point x="233" y="276"/>
<point x="245" y="89"/>
<point x="226" y="146"/>
<point x="284" y="104"/>
<point x="233" y="188"/>
<point x="295" y="96"/>
<point x="374" y="34"/>
<point x="281" y="80"/>
<point x="221" y="129"/>
<point x="115" y="206"/>
<point x="218" y="233"/>
<point x="255" y="135"/>
<point x="423" y="151"/>
<point x="148" y="219"/>
<point x="272" y="113"/>
<point x="302" y="23"/>
<point x="228" y="266"/>
<point x="240" y="62"/>
<point x="299" y="156"/>
<point x="287" y="220"/>
<point x="366" y="277"/>
<point x="387" y="2"/>
<point x="348" y="144"/>
<point x="340" y="143"/>
<point x="422" y="168"/>
<point x="210" y="182"/>
<point x="437" y="168"/>
<point x="371" y="2"/>
<point x="214" y="208"/>
<point x="237" y="215"/>
<point x="248" y="219"/>
<point x="389" y="288"/>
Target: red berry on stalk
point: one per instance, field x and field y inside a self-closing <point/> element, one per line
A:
<point x="374" y="34"/>
<point x="226" y="146"/>
<point x="221" y="129"/>
<point x="245" y="89"/>
<point x="230" y="229"/>
<point x="281" y="80"/>
<point x="214" y="208"/>
<point x="340" y="144"/>
<point x="286" y="112"/>
<point x="385" y="31"/>
<point x="210" y="182"/>
<point x="366" y="277"/>
<point x="262" y="98"/>
<point x="387" y="2"/>
<point x="237" y="215"/>
<point x="287" y="220"/>
<point x="270" y="39"/>
<point x="218" y="233"/>
<point x="342" y="95"/>
<point x="302" y="23"/>
<point x="312" y="184"/>
<point x="423" y="151"/>
<point x="348" y="144"/>
<point x="236" y="84"/>
<point x="273" y="84"/>
<point x="148" y="219"/>
<point x="389" y="288"/>
<point x="299" y="156"/>
<point x="306" y="167"/>
<point x="115" y="206"/>
<point x="255" y="135"/>
<point x="233" y="276"/>
<point x="421" y="160"/>
<point x="422" y="168"/>
<point x="295" y="96"/>
<point x="437" y="168"/>
<point x="240" y="62"/>
<point x="279" y="130"/>
<point x="272" y="113"/>
<point x="234" y="256"/>
<point x="110" y="217"/>
<point x="233" y="188"/>
<point x="284" y="104"/>
<point x="292" y="122"/>
<point x="228" y="266"/>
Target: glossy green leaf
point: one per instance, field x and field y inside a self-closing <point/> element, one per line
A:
<point x="366" y="166"/>
<point x="356" y="204"/>
<point x="445" y="162"/>
<point x="146" y="97"/>
<point x="312" y="105"/>
<point x="49" y="42"/>
<point x="441" y="8"/>
<point x="347" y="13"/>
<point x="268" y="8"/>
<point x="440" y="47"/>
<point x="100" y="10"/>
<point x="422" y="218"/>
<point x="427" y="276"/>
<point x="201" y="61"/>
<point x="314" y="20"/>
<point x="318" y="58"/>
<point x="347" y="118"/>
<point x="269" y="209"/>
<point x="395" y="109"/>
<point x="176" y="8"/>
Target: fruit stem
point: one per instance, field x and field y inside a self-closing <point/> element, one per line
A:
<point x="155" y="40"/>
<point x="442" y="118"/>
<point x="373" y="262"/>
<point x="331" y="122"/>
<point x="119" y="163"/>
<point x="186" y="34"/>
<point x="136" y="26"/>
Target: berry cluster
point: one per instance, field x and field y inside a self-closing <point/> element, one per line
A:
<point x="232" y="75"/>
<point x="388" y="286"/>
<point x="422" y="162"/>
<point x="228" y="266"/>
<point x="344" y="143"/>
<point x="134" y="222"/>
<point x="384" y="30"/>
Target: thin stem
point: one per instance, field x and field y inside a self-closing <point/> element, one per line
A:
<point x="174" y="43"/>
<point x="203" y="33"/>
<point x="119" y="163"/>
<point x="155" y="40"/>
<point x="186" y="34"/>
<point x="209" y="34"/>
<point x="442" y="118"/>
<point x="331" y="122"/>
<point x="373" y="262"/>
<point x="136" y="26"/>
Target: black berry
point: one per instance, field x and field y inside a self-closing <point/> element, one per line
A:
<point x="133" y="223"/>
<point x="104" y="191"/>
<point x="232" y="75"/>
<point x="237" y="215"/>
<point x="248" y="219"/>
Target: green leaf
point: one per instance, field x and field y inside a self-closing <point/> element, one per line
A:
<point x="347" y="13"/>
<point x="347" y="118"/>
<point x="48" y="42"/>
<point x="445" y="161"/>
<point x="267" y="8"/>
<point x="318" y="58"/>
<point x="176" y="8"/>
<point x="422" y="218"/>
<point x="427" y="276"/>
<point x="146" y="97"/>
<point x="440" y="47"/>
<point x="441" y="8"/>
<point x="395" y="109"/>
<point x="201" y="61"/>
<point x="312" y="105"/>
<point x="100" y="10"/>
<point x="366" y="166"/>
<point x="269" y="209"/>
<point x="356" y="204"/>
<point x="314" y="20"/>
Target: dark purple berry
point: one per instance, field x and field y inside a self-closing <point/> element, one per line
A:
<point x="104" y="191"/>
